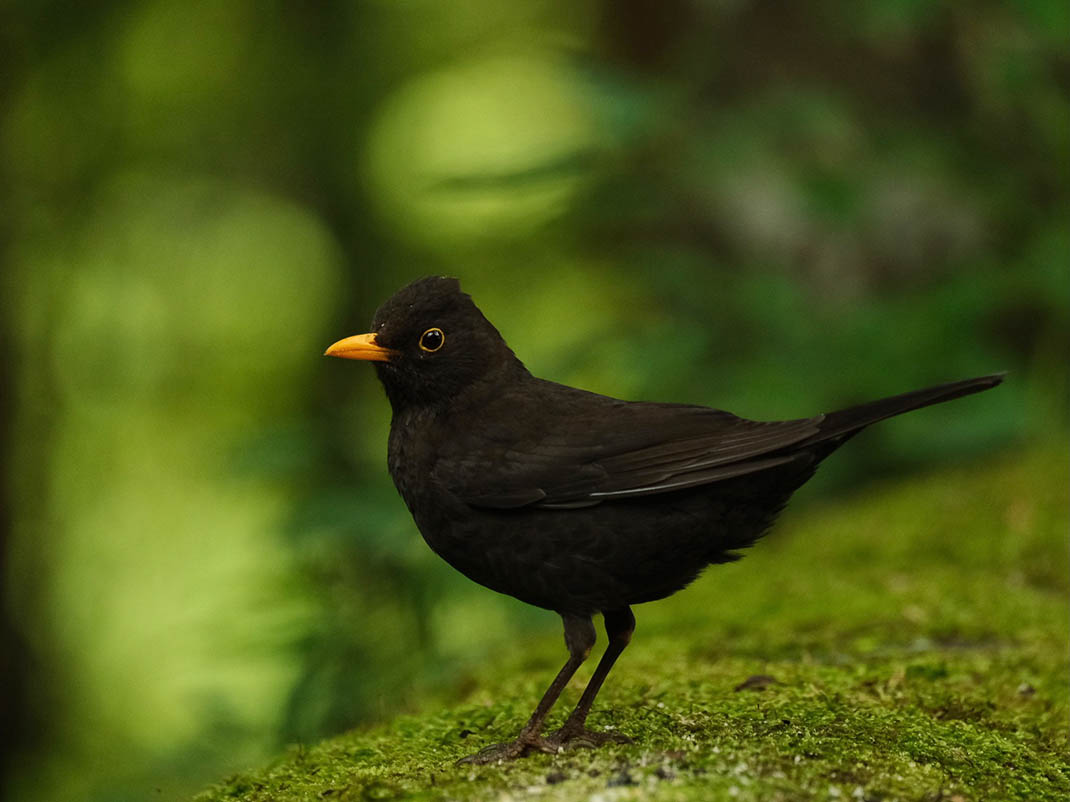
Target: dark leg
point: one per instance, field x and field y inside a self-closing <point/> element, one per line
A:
<point x="579" y="638"/>
<point x="620" y="624"/>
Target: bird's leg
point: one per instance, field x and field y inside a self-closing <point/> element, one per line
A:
<point x="579" y="638"/>
<point x="620" y="624"/>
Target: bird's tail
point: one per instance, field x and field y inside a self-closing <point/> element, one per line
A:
<point x="846" y="422"/>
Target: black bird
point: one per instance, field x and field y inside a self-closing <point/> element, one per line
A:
<point x="572" y="501"/>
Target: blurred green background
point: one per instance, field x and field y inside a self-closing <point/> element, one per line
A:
<point x="772" y="208"/>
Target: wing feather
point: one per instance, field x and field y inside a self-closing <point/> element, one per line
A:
<point x="618" y="451"/>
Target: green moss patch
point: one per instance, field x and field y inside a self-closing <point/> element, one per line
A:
<point x="908" y="643"/>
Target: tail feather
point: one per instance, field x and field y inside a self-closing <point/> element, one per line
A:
<point x="847" y="422"/>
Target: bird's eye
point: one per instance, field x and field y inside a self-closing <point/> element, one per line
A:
<point x="432" y="339"/>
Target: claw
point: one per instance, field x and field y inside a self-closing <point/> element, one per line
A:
<point x="510" y="750"/>
<point x="583" y="738"/>
<point x="564" y="739"/>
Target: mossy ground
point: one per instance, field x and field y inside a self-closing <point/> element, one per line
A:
<point x="915" y="638"/>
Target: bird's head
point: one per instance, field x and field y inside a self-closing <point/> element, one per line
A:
<point x="430" y="343"/>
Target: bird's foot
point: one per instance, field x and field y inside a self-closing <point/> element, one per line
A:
<point x="564" y="739"/>
<point x="510" y="750"/>
<point x="582" y="738"/>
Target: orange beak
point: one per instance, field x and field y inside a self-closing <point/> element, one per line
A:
<point x="360" y="346"/>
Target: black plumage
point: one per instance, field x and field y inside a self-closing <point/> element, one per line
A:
<point x="573" y="501"/>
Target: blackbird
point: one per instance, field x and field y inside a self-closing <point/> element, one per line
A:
<point x="573" y="501"/>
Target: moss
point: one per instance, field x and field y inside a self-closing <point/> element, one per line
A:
<point x="914" y="640"/>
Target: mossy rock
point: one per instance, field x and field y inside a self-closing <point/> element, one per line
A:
<point x="908" y="643"/>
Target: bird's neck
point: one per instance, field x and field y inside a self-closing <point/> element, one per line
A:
<point x="478" y="391"/>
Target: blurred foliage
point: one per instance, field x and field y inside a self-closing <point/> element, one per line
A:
<point x="770" y="208"/>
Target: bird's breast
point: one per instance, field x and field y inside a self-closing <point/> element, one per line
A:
<point x="411" y="454"/>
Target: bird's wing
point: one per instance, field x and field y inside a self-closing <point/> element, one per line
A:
<point x="615" y="451"/>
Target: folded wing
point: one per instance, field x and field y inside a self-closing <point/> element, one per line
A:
<point x="619" y="451"/>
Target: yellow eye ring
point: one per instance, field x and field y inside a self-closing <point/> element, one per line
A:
<point x="432" y="339"/>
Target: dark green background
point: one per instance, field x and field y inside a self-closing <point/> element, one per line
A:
<point x="773" y="208"/>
